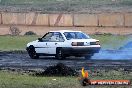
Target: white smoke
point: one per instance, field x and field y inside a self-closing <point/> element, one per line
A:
<point x="114" y="55"/>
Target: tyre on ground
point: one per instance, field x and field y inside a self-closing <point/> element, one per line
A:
<point x="32" y="53"/>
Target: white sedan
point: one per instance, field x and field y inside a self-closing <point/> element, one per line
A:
<point x="62" y="44"/>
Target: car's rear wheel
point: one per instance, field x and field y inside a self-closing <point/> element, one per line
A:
<point x="32" y="53"/>
<point x="59" y="54"/>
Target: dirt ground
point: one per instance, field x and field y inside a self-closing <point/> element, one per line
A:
<point x="21" y="60"/>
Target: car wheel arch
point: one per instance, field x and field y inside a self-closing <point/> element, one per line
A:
<point x="57" y="51"/>
<point x="31" y="46"/>
<point x="32" y="49"/>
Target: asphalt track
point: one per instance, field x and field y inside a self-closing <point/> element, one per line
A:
<point x="23" y="61"/>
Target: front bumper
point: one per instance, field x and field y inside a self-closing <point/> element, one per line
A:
<point x="80" y="50"/>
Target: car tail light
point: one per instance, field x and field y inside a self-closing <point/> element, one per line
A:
<point x="74" y="43"/>
<point x="77" y="43"/>
<point x="80" y="43"/>
<point x="97" y="42"/>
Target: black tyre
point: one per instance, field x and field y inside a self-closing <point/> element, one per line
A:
<point x="32" y="53"/>
<point x="88" y="56"/>
<point x="59" y="54"/>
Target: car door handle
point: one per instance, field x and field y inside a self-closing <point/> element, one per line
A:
<point x="55" y="43"/>
<point x="46" y="43"/>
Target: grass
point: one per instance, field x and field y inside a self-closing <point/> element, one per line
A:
<point x="66" y="6"/>
<point x="15" y="80"/>
<point x="8" y="43"/>
<point x="112" y="41"/>
<point x="88" y="2"/>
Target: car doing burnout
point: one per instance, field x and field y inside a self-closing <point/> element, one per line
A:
<point x="62" y="44"/>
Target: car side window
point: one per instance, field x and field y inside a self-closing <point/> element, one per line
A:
<point x="56" y="37"/>
<point x="53" y="37"/>
<point x="46" y="37"/>
<point x="70" y="35"/>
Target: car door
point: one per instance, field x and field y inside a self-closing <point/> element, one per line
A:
<point x="55" y="41"/>
<point x="41" y="46"/>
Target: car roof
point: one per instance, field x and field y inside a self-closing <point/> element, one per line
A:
<point x="65" y="31"/>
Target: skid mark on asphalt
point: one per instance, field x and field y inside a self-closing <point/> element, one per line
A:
<point x="99" y="60"/>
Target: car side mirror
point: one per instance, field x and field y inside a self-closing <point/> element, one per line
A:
<point x="40" y="39"/>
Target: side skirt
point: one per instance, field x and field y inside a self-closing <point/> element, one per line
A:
<point x="45" y="54"/>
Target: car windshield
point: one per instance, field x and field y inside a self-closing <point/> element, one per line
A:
<point x="75" y="35"/>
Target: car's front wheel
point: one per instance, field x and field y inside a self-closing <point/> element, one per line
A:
<point x="59" y="54"/>
<point x="32" y="53"/>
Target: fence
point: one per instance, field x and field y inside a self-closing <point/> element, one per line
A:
<point x="118" y="23"/>
<point x="68" y="20"/>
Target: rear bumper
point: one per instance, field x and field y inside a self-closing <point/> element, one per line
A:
<point x="80" y="50"/>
